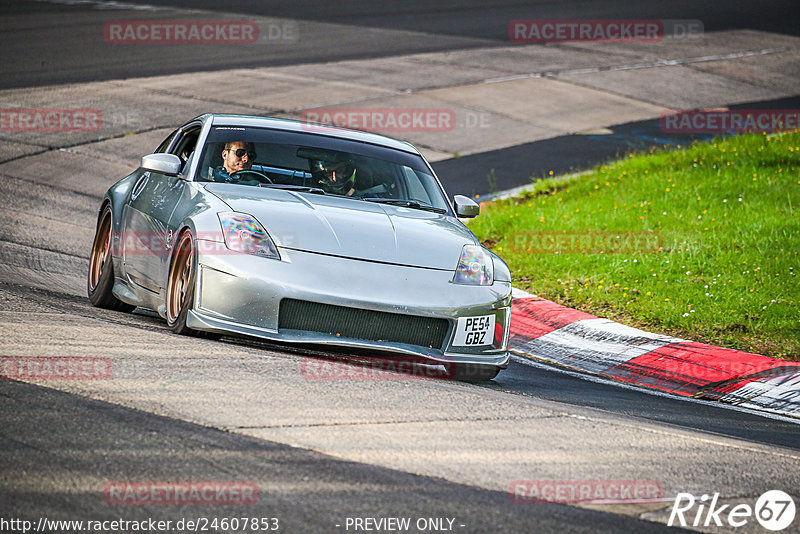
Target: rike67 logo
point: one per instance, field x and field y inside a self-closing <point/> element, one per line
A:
<point x="774" y="510"/>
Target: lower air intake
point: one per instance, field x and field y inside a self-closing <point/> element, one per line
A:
<point x="362" y="324"/>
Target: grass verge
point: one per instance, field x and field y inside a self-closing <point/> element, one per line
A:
<point x="701" y="243"/>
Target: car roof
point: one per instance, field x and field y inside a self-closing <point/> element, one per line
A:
<point x="290" y="125"/>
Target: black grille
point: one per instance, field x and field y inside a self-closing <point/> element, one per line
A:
<point x="362" y="324"/>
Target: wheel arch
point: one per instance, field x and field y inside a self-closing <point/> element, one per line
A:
<point x="183" y="227"/>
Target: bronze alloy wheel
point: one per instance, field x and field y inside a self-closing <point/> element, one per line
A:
<point x="100" y="282"/>
<point x="181" y="279"/>
<point x="180" y="288"/>
<point x="101" y="250"/>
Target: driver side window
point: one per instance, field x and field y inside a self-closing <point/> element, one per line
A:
<point x="184" y="147"/>
<point x="186" y="144"/>
<point x="165" y="143"/>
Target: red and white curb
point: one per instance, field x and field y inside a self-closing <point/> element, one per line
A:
<point x="549" y="332"/>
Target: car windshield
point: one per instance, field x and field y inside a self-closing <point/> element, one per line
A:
<point x="321" y="164"/>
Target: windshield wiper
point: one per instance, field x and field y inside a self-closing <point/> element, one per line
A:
<point x="415" y="204"/>
<point x="291" y="187"/>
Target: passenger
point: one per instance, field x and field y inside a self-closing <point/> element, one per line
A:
<point x="337" y="177"/>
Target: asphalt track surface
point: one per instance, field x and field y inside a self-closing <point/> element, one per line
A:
<point x="60" y="41"/>
<point x="305" y="490"/>
<point x="59" y="448"/>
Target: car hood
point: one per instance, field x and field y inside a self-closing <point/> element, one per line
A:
<point x="351" y="228"/>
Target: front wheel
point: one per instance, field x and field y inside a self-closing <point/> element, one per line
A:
<point x="180" y="287"/>
<point x="475" y="372"/>
<point x="101" y="268"/>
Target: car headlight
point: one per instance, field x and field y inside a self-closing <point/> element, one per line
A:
<point x="243" y="233"/>
<point x="475" y="267"/>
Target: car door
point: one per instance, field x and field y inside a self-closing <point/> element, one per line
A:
<point x="146" y="216"/>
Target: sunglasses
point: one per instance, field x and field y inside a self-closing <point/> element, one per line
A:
<point x="241" y="152"/>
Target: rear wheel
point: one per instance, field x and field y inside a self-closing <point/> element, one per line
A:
<point x="101" y="268"/>
<point x="180" y="287"/>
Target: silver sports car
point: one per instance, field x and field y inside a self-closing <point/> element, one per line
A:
<point x="303" y="233"/>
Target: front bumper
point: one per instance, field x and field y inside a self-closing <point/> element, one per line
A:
<point x="241" y="293"/>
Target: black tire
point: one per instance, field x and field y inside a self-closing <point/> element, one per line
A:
<point x="100" y="280"/>
<point x="475" y="372"/>
<point x="181" y="287"/>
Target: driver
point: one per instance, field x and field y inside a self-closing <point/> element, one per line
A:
<point x="236" y="156"/>
<point x="337" y="177"/>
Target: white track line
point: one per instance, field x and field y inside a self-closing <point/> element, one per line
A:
<point x="600" y="380"/>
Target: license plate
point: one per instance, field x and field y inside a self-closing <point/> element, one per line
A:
<point x="474" y="331"/>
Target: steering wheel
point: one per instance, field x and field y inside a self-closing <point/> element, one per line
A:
<point x="260" y="176"/>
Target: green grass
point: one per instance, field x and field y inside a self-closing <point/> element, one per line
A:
<point x="708" y="247"/>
